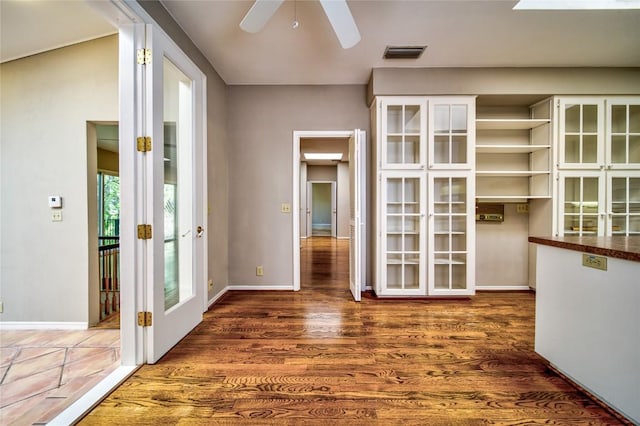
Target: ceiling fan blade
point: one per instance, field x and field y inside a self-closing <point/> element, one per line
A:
<point x="259" y="14"/>
<point x="342" y="22"/>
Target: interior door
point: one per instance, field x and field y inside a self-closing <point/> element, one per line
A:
<point x="176" y="269"/>
<point x="356" y="248"/>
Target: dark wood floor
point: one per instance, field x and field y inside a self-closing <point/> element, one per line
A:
<point x="316" y="357"/>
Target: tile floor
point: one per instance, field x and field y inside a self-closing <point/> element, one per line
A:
<point x="44" y="371"/>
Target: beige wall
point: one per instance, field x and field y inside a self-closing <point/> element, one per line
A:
<point x="503" y="81"/>
<point x="46" y="103"/>
<point x="261" y="121"/>
<point x="217" y="164"/>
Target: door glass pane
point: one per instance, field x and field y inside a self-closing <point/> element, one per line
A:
<point x="412" y="118"/>
<point x="572" y="149"/>
<point x="618" y="193"/>
<point x="394" y="119"/>
<point x="441" y="119"/>
<point x="619" y="119"/>
<point x="618" y="149"/>
<point x="590" y="118"/>
<point x="589" y="149"/>
<point x="459" y="118"/>
<point x="459" y="149"/>
<point x="178" y="183"/>
<point x="634" y="118"/>
<point x="572" y="119"/>
<point x="634" y="149"/>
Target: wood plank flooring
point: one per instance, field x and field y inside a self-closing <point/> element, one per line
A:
<point x="316" y="357"/>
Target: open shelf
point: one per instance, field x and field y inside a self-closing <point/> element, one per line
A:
<point x="509" y="149"/>
<point x="510" y="123"/>
<point x="511" y="173"/>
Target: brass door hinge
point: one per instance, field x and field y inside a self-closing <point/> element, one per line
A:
<point x="143" y="56"/>
<point x="144" y="232"/>
<point x="144" y="143"/>
<point x="145" y="319"/>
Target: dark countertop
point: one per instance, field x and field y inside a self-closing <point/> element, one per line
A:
<point x="627" y="248"/>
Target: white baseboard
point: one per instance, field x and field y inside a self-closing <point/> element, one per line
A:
<point x="217" y="296"/>
<point x="42" y="325"/>
<point x="343" y="238"/>
<point x="253" y="287"/>
<point x="91" y="399"/>
<point x="502" y="287"/>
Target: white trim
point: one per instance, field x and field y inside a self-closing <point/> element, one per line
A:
<point x="92" y="398"/>
<point x="502" y="287"/>
<point x="343" y="238"/>
<point x="217" y="297"/>
<point x="43" y="325"/>
<point x="253" y="287"/>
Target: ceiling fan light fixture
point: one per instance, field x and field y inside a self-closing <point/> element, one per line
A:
<point x="403" y="52"/>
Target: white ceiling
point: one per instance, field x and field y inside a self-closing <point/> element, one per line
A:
<point x="459" y="33"/>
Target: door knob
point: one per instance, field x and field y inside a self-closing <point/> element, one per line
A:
<point x="200" y="232"/>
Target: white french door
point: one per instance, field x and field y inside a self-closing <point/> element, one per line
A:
<point x="175" y="199"/>
<point x="356" y="223"/>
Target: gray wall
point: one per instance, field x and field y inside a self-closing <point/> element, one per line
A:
<point x="46" y="102"/>
<point x="218" y="167"/>
<point x="261" y="121"/>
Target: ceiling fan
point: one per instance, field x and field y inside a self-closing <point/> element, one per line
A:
<point x="337" y="12"/>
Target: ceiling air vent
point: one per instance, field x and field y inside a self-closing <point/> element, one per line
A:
<point x="403" y="52"/>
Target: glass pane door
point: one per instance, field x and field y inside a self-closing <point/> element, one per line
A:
<point x="624" y="207"/>
<point x="175" y="169"/>
<point x="403" y="134"/>
<point x="403" y="244"/>
<point x="450" y="235"/>
<point x="581" y="133"/>
<point x="450" y="133"/>
<point x="624" y="143"/>
<point x="581" y="196"/>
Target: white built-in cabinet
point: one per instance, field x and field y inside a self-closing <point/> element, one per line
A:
<point x="424" y="195"/>
<point x="598" y="166"/>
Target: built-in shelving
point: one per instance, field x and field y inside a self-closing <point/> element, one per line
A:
<point x="513" y="153"/>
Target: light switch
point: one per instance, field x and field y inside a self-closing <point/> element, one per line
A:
<point x="55" y="201"/>
<point x="286" y="208"/>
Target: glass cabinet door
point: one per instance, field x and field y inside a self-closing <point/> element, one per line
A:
<point x="403" y="133"/>
<point x="403" y="244"/>
<point x="623" y="136"/>
<point x="451" y="231"/>
<point x="451" y="133"/>
<point x="624" y="203"/>
<point x="581" y="133"/>
<point x="581" y="203"/>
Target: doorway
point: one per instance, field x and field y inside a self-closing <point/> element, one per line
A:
<point x="321" y="209"/>
<point x="346" y="151"/>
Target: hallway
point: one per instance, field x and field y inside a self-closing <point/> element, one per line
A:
<point x="317" y="357"/>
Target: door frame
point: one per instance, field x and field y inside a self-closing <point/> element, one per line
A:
<point x="320" y="134"/>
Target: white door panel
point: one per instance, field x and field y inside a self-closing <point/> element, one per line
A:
<point x="175" y="170"/>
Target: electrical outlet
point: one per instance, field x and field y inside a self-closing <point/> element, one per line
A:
<point x="210" y="283"/>
<point x="259" y="271"/>
<point x="1" y="307"/>
<point x="56" y="216"/>
<point x="522" y="208"/>
<point x="285" y="208"/>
